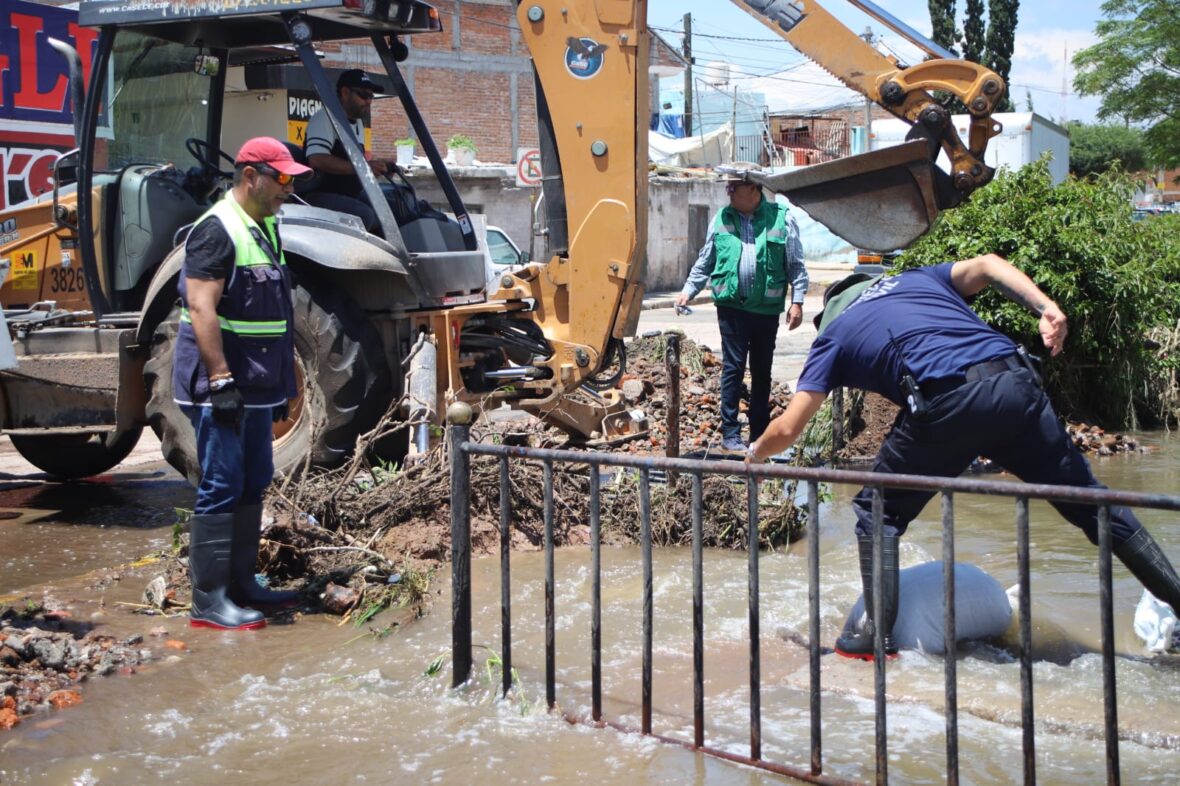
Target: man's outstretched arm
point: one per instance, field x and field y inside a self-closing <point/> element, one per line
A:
<point x="970" y="276"/>
<point x="786" y="428"/>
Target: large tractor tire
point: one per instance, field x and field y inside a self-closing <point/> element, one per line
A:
<point x="70" y="456"/>
<point x="341" y="375"/>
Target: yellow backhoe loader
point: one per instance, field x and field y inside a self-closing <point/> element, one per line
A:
<point x="92" y="301"/>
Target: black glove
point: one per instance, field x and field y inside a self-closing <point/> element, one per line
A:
<point x="228" y="406"/>
<point x="281" y="412"/>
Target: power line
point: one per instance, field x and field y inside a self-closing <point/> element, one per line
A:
<point x="743" y="39"/>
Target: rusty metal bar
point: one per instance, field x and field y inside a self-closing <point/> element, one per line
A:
<point x="550" y="623"/>
<point x="817" y="765"/>
<point x="596" y="595"/>
<point x="672" y="367"/>
<point x="1026" y="672"/>
<point x="460" y="555"/>
<point x="881" y="736"/>
<point x="761" y="764"/>
<point x="949" y="662"/>
<point x="755" y="628"/>
<point x="1106" y="601"/>
<point x="645" y="545"/>
<point x="698" y="613"/>
<point x="505" y="576"/>
<point x="998" y="488"/>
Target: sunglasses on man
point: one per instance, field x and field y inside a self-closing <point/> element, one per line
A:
<point x="364" y="95"/>
<point x="282" y="178"/>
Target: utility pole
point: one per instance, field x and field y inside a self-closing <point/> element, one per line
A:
<point x="868" y="37"/>
<point x="688" y="75"/>
<point x="733" y="123"/>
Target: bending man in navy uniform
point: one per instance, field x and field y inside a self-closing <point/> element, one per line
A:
<point x="751" y="254"/>
<point x="233" y="372"/>
<point x="965" y="390"/>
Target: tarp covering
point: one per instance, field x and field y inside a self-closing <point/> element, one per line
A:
<point x="702" y="150"/>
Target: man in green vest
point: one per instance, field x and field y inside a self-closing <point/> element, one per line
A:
<point x="751" y="255"/>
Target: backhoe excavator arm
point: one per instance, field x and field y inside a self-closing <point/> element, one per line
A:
<point x="903" y="91"/>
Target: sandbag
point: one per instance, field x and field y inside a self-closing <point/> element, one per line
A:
<point x="1156" y="624"/>
<point x="981" y="607"/>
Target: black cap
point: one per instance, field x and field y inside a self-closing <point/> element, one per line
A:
<point x="836" y="289"/>
<point x="354" y="77"/>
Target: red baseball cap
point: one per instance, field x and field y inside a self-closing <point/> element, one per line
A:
<point x="270" y="151"/>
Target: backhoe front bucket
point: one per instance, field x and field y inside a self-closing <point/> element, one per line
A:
<point x="881" y="201"/>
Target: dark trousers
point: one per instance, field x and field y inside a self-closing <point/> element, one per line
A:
<point x="745" y="335"/>
<point x="345" y="204"/>
<point x="1009" y="419"/>
<point x="236" y="464"/>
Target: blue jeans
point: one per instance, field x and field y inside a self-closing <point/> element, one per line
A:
<point x="743" y="335"/>
<point x="236" y="467"/>
<point x="1009" y="419"/>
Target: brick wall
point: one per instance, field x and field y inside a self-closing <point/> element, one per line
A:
<point x="474" y="78"/>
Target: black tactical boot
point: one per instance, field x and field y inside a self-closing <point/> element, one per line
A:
<point x="1148" y="563"/>
<point x="208" y="561"/>
<point x="243" y="589"/>
<point x="852" y="644"/>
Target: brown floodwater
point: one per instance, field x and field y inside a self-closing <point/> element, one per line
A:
<point x="320" y="702"/>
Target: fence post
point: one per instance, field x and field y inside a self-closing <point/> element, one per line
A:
<point x="459" y="417"/>
<point x="672" y="366"/>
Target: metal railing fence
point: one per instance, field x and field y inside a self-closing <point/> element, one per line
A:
<point x="462" y="448"/>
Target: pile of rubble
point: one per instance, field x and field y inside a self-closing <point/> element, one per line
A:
<point x="645" y="389"/>
<point x="1091" y="439"/>
<point x="44" y="654"/>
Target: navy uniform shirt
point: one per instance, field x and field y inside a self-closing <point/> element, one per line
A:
<point x="915" y="323"/>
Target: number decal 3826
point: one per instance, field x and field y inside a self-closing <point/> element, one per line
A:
<point x="66" y="279"/>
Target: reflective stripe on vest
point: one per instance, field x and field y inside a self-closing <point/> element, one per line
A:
<point x="244" y="327"/>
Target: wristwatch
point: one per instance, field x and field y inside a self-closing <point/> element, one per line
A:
<point x="220" y="384"/>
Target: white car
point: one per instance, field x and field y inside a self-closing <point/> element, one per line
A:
<point x="504" y="252"/>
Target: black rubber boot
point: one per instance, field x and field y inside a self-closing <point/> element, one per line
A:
<point x="208" y="560"/>
<point x="243" y="589"/>
<point x="860" y="644"/>
<point x="1148" y="563"/>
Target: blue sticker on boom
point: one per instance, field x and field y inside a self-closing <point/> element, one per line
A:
<point x="583" y="57"/>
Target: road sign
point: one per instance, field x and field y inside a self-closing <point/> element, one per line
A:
<point x="528" y="166"/>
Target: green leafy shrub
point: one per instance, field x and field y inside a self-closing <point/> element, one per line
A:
<point x="1116" y="279"/>
<point x="461" y="142"/>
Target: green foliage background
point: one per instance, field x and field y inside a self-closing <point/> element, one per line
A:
<point x="1117" y="280"/>
<point x="1098" y="148"/>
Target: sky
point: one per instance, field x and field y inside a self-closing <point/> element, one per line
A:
<point x="1048" y="33"/>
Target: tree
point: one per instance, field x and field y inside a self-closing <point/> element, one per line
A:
<point x="993" y="49"/>
<point x="1099" y="148"/>
<point x="942" y="23"/>
<point x="1135" y="68"/>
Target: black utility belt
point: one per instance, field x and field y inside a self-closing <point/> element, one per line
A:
<point x="917" y="394"/>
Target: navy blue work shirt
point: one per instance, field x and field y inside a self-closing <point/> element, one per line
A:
<point x="915" y="323"/>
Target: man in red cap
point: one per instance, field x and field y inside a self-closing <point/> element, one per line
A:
<point x="232" y="374"/>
